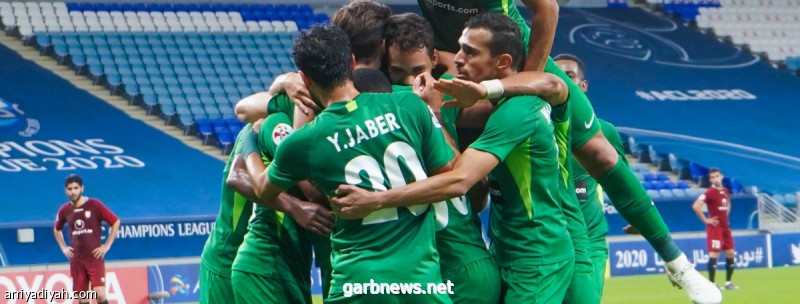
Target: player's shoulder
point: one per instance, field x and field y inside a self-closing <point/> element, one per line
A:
<point x="94" y="202"/>
<point x="531" y="101"/>
<point x="64" y="206"/>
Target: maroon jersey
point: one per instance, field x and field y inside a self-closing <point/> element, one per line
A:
<point x="84" y="225"/>
<point x="718" y="202"/>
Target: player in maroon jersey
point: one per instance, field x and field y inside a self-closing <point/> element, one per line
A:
<point x="85" y="216"/>
<point x="718" y="230"/>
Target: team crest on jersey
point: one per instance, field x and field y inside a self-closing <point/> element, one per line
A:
<point x="280" y="132"/>
<point x="87" y="214"/>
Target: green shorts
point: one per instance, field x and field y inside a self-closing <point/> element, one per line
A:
<point x="254" y="288"/>
<point x="214" y="288"/>
<point x="476" y="282"/>
<point x="599" y="252"/>
<point x="546" y="284"/>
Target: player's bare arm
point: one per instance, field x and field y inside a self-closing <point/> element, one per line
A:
<point x="544" y="19"/>
<point x="597" y="155"/>
<point x="547" y="86"/>
<point x="698" y="209"/>
<point x="310" y="216"/>
<point x="479" y="195"/>
<point x="253" y="107"/>
<point x="473" y="165"/>
<point x="101" y="251"/>
<point x="66" y="250"/>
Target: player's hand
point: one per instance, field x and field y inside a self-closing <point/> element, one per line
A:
<point x="315" y="218"/>
<point x="712" y="221"/>
<point x="292" y="84"/>
<point x="630" y="229"/>
<point x="68" y="252"/>
<point x="353" y="202"/>
<point x="466" y="92"/>
<point x="100" y="252"/>
<point x="423" y="87"/>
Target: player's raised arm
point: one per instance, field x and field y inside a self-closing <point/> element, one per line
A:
<point x="544" y="19"/>
<point x="253" y="107"/>
<point x="547" y="86"/>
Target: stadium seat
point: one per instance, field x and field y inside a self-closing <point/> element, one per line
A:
<point x="679" y="193"/>
<point x="654" y="194"/>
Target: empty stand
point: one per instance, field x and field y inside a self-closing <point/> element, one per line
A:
<point x="187" y="62"/>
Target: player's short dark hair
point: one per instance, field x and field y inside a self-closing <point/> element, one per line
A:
<point x="323" y="54"/>
<point x="409" y="32"/>
<point x="506" y="37"/>
<point x="364" y="21"/>
<point x="73" y="178"/>
<point x="712" y="170"/>
<point x="371" y="81"/>
<point x="574" y="58"/>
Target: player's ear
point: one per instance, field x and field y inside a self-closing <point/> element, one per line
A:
<point x="584" y="85"/>
<point x="352" y="62"/>
<point x="504" y="61"/>
<point x="435" y="58"/>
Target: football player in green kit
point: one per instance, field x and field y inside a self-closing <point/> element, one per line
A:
<point x="588" y="192"/>
<point x="231" y="226"/>
<point x="464" y="259"/>
<point x="376" y="141"/>
<point x="588" y="144"/>
<point x="274" y="261"/>
<point x="528" y="230"/>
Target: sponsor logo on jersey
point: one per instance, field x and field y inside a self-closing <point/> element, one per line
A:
<point x="280" y="132"/>
<point x="79" y="224"/>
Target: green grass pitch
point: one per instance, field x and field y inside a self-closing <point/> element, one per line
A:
<point x="776" y="285"/>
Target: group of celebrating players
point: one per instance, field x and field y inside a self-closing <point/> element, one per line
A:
<point x="382" y="149"/>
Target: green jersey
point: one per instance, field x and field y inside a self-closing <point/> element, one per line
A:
<point x="588" y="191"/>
<point x="231" y="224"/>
<point x="276" y="246"/>
<point x="377" y="142"/>
<point x="458" y="235"/>
<point x="447" y="17"/>
<point x="527" y="226"/>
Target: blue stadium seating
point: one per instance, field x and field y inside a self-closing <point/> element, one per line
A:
<point x="687" y="9"/>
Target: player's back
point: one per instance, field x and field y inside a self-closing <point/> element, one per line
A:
<point x="230" y="225"/>
<point x="377" y="142"/>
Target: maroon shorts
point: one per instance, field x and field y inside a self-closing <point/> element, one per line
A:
<point x="718" y="238"/>
<point x="84" y="271"/>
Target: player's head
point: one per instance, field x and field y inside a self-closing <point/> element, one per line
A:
<point x="491" y="47"/>
<point x="371" y="81"/>
<point x="322" y="54"/>
<point x="364" y="21"/>
<point x="409" y="38"/>
<point x="573" y="67"/>
<point x="715" y="177"/>
<point x="73" y="185"/>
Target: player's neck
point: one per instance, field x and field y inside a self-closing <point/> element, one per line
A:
<point x="80" y="201"/>
<point x="342" y="93"/>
